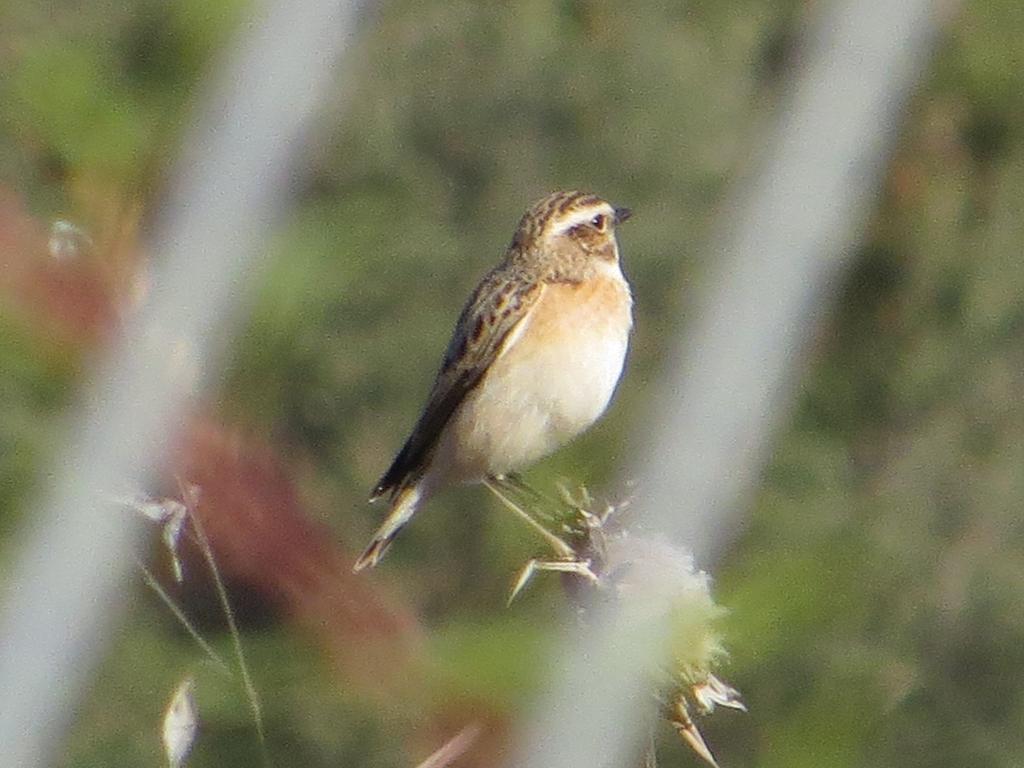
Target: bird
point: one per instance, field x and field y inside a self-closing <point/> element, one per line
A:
<point x="534" y="360"/>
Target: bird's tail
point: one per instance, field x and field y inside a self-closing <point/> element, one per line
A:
<point x="403" y="507"/>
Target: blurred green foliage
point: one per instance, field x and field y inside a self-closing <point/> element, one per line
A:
<point x="877" y="598"/>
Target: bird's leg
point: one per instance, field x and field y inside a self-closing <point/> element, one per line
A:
<point x="559" y="510"/>
<point x="544" y="506"/>
<point x="499" y="485"/>
<point x="563" y="513"/>
<point x="579" y="567"/>
<point x="515" y="482"/>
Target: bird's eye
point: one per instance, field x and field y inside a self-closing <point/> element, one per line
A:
<point x="599" y="222"/>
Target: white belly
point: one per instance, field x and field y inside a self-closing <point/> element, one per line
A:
<point x="550" y="385"/>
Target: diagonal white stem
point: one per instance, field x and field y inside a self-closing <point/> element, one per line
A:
<point x="63" y="591"/>
<point x="785" y="240"/>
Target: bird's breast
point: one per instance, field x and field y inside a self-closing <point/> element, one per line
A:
<point x="554" y="378"/>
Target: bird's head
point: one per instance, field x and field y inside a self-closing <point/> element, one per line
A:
<point x="571" y="224"/>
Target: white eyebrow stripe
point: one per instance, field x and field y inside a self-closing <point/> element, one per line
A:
<point x="584" y="215"/>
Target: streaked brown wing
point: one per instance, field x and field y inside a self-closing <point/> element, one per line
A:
<point x="499" y="304"/>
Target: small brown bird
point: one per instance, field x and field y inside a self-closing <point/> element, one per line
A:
<point x="534" y="360"/>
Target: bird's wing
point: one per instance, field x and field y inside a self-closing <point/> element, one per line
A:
<point x="490" y="323"/>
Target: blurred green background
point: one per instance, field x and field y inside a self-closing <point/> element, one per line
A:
<point x="876" y="599"/>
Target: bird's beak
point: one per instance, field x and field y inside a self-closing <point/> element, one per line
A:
<point x="622" y="214"/>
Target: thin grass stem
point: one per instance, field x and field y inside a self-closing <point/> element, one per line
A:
<point x="175" y="609"/>
<point x="229" y="615"/>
